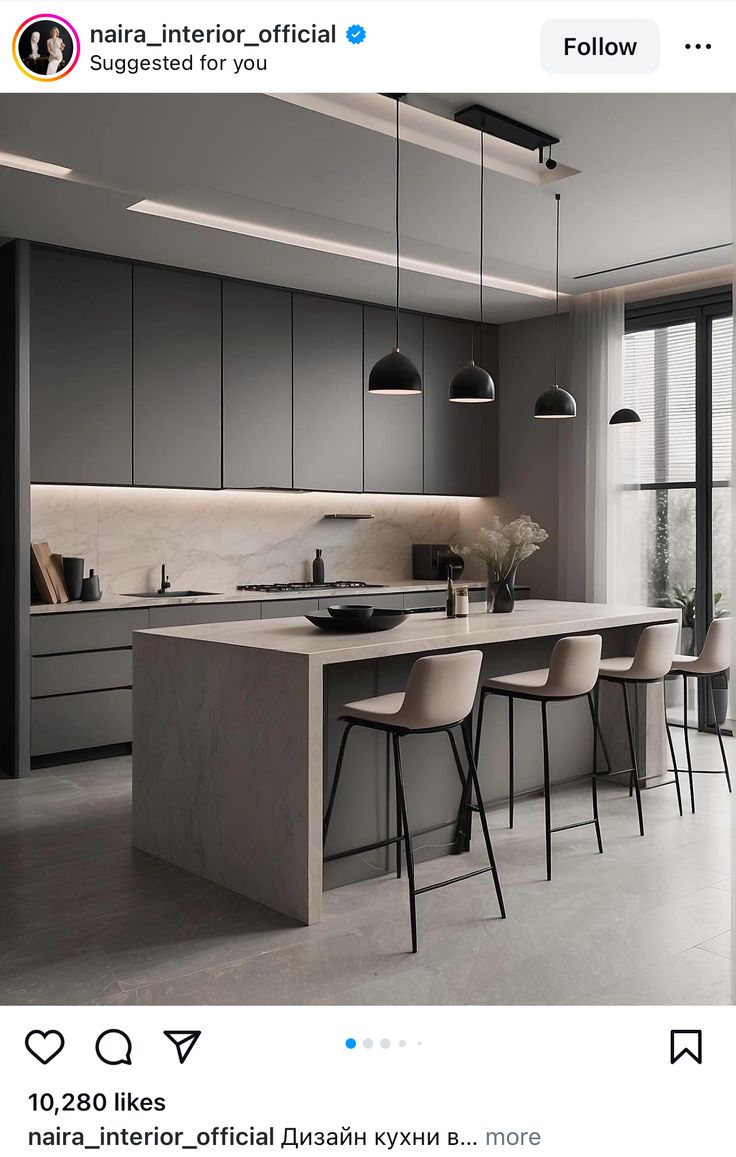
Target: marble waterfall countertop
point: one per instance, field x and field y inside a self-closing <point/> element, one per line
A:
<point x="116" y="602"/>
<point x="232" y="725"/>
<point x="532" y="618"/>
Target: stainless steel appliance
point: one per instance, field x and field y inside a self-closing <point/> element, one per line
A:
<point x="430" y="561"/>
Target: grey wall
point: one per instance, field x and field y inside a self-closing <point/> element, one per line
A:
<point x="529" y="448"/>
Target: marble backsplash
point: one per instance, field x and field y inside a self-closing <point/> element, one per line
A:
<point x="213" y="540"/>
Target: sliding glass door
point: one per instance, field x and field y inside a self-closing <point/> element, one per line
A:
<point x="676" y="466"/>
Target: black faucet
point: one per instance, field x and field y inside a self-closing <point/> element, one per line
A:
<point x="165" y="584"/>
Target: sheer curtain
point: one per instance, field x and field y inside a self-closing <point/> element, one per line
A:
<point x="590" y="514"/>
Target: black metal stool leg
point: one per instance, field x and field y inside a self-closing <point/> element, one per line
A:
<point x="511" y="761"/>
<point x="634" y="760"/>
<point x="479" y="725"/>
<point x="687" y="743"/>
<point x="594" y="777"/>
<point x="399" y="817"/>
<point x="335" y="781"/>
<point x="672" y="747"/>
<point x="718" y="732"/>
<point x="407" y="841"/>
<point x="601" y="738"/>
<point x="547" y="802"/>
<point x="473" y="777"/>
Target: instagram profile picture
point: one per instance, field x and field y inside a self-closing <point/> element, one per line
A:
<point x="46" y="47"/>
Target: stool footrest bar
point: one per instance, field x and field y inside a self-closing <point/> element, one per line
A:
<point x="365" y="848"/>
<point x="452" y="880"/>
<point x="567" y="827"/>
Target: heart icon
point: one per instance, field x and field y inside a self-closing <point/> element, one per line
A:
<point x="44" y="1046"/>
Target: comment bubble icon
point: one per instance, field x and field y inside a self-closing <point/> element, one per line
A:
<point x="114" y="1047"/>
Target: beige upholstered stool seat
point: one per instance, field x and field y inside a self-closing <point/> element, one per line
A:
<point x="712" y="662"/>
<point x="650" y="663"/>
<point x="439" y="697"/>
<point x="619" y="667"/>
<point x="572" y="674"/>
<point x="379" y="709"/>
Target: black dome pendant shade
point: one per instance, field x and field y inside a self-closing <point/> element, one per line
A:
<point x="395" y="373"/>
<point x="624" y="417"/>
<point x="554" y="402"/>
<point x="472" y="383"/>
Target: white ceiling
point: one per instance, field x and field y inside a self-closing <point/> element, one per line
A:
<point x="653" y="180"/>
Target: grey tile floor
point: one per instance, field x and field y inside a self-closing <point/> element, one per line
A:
<point x="86" y="920"/>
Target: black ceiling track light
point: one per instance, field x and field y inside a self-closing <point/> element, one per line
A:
<point x="472" y="383"/>
<point x="395" y="373"/>
<point x="555" y="402"/>
<point x="477" y="116"/>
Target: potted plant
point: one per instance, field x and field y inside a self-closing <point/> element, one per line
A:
<point x="502" y="546"/>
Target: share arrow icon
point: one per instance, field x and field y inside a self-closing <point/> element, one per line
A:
<point x="183" y="1041"/>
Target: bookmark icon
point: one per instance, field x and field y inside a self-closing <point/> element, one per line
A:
<point x="183" y="1041"/>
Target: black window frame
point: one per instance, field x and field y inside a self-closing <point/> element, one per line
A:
<point x="700" y="307"/>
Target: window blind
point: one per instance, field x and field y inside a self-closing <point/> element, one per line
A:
<point x="659" y="381"/>
<point x="721" y="363"/>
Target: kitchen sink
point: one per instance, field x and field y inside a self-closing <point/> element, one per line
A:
<point x="167" y="594"/>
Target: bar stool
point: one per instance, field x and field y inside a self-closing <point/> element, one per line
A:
<point x="714" y="659"/>
<point x="572" y="674"/>
<point x="650" y="663"/>
<point x="439" y="696"/>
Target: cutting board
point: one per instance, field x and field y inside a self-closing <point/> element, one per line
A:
<point x="48" y="574"/>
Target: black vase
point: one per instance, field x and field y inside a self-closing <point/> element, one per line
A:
<point x="504" y="600"/>
<point x="73" y="575"/>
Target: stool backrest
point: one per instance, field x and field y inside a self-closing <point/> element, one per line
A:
<point x="716" y="654"/>
<point x="441" y="689"/>
<point x="574" y="665"/>
<point x="655" y="651"/>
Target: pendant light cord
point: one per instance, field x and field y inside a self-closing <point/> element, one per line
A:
<point x="398" y="264"/>
<point x="557" y="287"/>
<point x="480" y="259"/>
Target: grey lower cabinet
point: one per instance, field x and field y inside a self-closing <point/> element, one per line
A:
<point x="460" y="439"/>
<point x="203" y="613"/>
<point x="176" y="379"/>
<point x="392" y="433"/>
<point x="328" y="394"/>
<point x="81" y="368"/>
<point x="256" y="386"/>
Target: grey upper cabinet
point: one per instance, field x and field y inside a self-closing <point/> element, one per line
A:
<point x="393" y="450"/>
<point x="176" y="379"/>
<point x="458" y="437"/>
<point x="256" y="386"/>
<point x="81" y="368"/>
<point x="328" y="400"/>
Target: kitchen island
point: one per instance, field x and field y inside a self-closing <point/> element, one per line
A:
<point x="234" y="731"/>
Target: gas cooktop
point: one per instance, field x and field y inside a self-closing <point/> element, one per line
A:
<point x="277" y="588"/>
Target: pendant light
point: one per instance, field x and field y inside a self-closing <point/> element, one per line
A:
<point x="472" y="383"/>
<point x="624" y="417"/>
<point x="395" y="373"/>
<point x="555" y="402"/>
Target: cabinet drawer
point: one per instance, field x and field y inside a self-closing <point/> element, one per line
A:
<point x="286" y="608"/>
<point x="73" y="722"/>
<point x="84" y="630"/>
<point x="433" y="600"/>
<point x="203" y="613"/>
<point x="391" y="602"/>
<point x="85" y="671"/>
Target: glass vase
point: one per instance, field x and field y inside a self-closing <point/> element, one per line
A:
<point x="503" y="602"/>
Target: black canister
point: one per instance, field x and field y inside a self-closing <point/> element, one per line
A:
<point x="73" y="576"/>
<point x="91" y="592"/>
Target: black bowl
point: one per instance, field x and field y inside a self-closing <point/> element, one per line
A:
<point x="350" y="611"/>
<point x="380" y="620"/>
